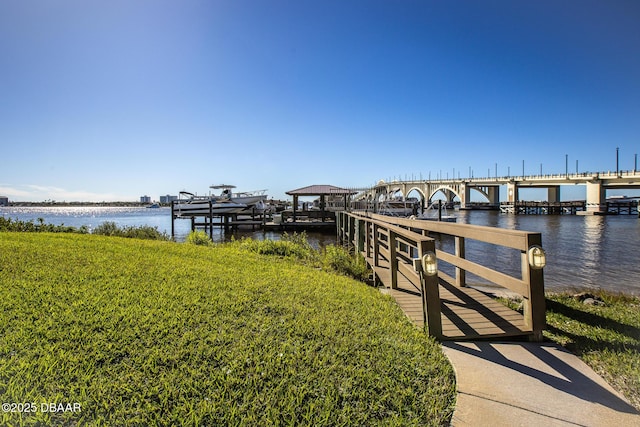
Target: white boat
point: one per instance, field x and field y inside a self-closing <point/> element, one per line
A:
<point x="248" y="198"/>
<point x="398" y="207"/>
<point x="437" y="211"/>
<point x="205" y="205"/>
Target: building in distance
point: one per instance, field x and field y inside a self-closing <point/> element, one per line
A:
<point x="168" y="199"/>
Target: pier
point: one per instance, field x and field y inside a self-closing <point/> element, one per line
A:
<point x="321" y="218"/>
<point x="443" y="302"/>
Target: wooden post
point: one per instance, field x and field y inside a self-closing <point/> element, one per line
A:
<point x="376" y="245"/>
<point x="361" y="235"/>
<point x="431" y="297"/>
<point x="367" y="238"/>
<point x="393" y="259"/>
<point x="534" y="304"/>
<point x="173" y="220"/>
<point x="352" y="230"/>
<point x="461" y="275"/>
<point x="210" y="220"/>
<point x="430" y="290"/>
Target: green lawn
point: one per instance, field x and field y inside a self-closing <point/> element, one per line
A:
<point x="606" y="337"/>
<point x="159" y="333"/>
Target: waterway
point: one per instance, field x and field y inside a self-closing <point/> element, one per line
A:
<point x="582" y="251"/>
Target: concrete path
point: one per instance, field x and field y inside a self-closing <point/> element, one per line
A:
<point x="531" y="384"/>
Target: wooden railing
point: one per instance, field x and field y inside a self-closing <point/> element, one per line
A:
<point x="398" y="241"/>
<point x="383" y="243"/>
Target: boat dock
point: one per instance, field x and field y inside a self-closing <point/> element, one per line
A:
<point x="211" y="214"/>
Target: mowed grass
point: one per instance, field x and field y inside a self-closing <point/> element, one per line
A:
<point x="606" y="337"/>
<point x="159" y="333"/>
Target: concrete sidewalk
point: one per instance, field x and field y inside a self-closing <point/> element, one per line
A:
<point x="531" y="384"/>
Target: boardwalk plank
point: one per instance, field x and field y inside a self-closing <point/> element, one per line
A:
<point x="466" y="313"/>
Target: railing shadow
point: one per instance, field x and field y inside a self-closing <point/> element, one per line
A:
<point x="574" y="382"/>
<point x="593" y="320"/>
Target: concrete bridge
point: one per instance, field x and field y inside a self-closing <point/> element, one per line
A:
<point x="596" y="183"/>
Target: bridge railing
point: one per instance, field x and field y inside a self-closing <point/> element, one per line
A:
<point x="383" y="243"/>
<point x="529" y="283"/>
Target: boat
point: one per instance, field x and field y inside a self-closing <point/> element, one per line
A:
<point x="190" y="204"/>
<point x="153" y="206"/>
<point x="398" y="207"/>
<point x="227" y="202"/>
<point x="437" y="211"/>
<point x="248" y="198"/>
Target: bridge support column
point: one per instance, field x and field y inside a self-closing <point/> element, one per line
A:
<point x="465" y="195"/>
<point x="596" y="200"/>
<point x="553" y="194"/>
<point x="512" y="192"/>
<point x="494" y="195"/>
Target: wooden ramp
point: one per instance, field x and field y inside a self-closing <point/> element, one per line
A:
<point x="466" y="313"/>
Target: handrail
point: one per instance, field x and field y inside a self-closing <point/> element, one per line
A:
<point x="530" y="284"/>
<point x="382" y="242"/>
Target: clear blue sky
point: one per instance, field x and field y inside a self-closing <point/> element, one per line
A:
<point x="113" y="100"/>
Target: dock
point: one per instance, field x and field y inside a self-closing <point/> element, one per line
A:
<point x="444" y="304"/>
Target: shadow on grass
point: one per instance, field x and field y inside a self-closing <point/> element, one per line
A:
<point x="581" y="343"/>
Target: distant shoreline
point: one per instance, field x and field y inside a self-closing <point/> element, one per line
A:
<point x="81" y="204"/>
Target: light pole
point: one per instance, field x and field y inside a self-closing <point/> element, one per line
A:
<point x="618" y="161"/>
<point x="566" y="165"/>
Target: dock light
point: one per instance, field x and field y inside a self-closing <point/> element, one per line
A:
<point x="537" y="257"/>
<point x="430" y="264"/>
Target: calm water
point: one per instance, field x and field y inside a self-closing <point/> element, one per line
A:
<point x="582" y="251"/>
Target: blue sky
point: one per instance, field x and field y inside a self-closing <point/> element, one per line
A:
<point x="114" y="100"/>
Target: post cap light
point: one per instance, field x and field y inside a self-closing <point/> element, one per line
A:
<point x="537" y="257"/>
<point x="430" y="264"/>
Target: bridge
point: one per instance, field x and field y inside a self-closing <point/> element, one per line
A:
<point x="596" y="184"/>
<point x="430" y="283"/>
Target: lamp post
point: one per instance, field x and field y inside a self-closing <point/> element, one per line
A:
<point x="566" y="165"/>
<point x="618" y="161"/>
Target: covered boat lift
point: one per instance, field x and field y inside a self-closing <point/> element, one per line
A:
<point x="319" y="190"/>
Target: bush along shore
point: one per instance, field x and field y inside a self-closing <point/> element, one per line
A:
<point x="146" y="332"/>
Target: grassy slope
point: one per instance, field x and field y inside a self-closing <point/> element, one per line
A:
<point x="158" y="333"/>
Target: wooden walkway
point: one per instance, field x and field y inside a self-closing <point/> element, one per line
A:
<point x="466" y="313"/>
<point x="405" y="261"/>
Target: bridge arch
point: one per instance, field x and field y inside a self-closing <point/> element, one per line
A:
<point x="449" y="193"/>
<point x="419" y="190"/>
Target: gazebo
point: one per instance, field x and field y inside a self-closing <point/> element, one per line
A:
<point x="319" y="190"/>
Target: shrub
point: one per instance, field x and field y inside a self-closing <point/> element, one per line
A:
<point x="107" y="228"/>
<point x="7" y="224"/>
<point x="291" y="245"/>
<point x="342" y="261"/>
<point x="110" y="228"/>
<point x="199" y="238"/>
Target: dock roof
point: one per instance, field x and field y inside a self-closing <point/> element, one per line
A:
<point x="319" y="190"/>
